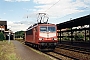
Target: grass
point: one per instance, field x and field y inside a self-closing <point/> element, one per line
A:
<point x="7" y="51"/>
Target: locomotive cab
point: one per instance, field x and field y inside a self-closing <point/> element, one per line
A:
<point x="47" y="36"/>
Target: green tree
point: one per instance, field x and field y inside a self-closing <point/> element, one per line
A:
<point x="65" y="38"/>
<point x="2" y="36"/>
<point x="79" y="37"/>
<point x="19" y="34"/>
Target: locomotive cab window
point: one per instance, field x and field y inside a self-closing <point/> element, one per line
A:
<point x="43" y="29"/>
<point x="47" y="29"/>
<point x="51" y="29"/>
<point x="29" y="32"/>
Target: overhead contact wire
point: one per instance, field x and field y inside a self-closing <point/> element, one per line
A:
<point x="52" y="6"/>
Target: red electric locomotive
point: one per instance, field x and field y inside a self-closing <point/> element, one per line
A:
<point x="42" y="36"/>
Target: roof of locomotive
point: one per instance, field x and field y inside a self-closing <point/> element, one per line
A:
<point x="36" y="24"/>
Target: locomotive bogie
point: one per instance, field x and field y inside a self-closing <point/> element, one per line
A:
<point x="46" y="45"/>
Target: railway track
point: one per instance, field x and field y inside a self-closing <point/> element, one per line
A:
<point x="72" y="51"/>
<point x="64" y="53"/>
<point x="75" y="49"/>
<point x="59" y="56"/>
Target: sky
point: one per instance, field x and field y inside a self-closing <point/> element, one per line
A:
<point x="15" y="12"/>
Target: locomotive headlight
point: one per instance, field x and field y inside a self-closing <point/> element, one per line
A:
<point x="40" y="38"/>
<point x="55" y="39"/>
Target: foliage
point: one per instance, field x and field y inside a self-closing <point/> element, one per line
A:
<point x="87" y="38"/>
<point x="65" y="38"/>
<point x="2" y="36"/>
<point x="78" y="37"/>
<point x="19" y="34"/>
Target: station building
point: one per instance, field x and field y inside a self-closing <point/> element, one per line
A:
<point x="5" y="31"/>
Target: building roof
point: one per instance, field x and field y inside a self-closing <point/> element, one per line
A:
<point x="75" y="22"/>
<point x="3" y="22"/>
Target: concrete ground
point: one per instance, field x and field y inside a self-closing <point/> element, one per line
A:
<point x="27" y="53"/>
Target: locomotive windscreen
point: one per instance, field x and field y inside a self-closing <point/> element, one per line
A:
<point x="47" y="29"/>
